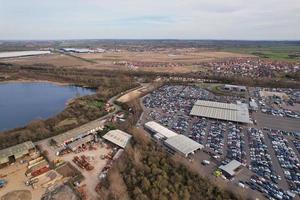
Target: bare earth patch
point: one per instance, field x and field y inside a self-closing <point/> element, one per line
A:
<point x="17" y="195"/>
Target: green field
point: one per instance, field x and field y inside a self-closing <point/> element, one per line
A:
<point x="98" y="104"/>
<point x="274" y="52"/>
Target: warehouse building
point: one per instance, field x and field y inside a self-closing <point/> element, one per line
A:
<point x="229" y="170"/>
<point x="118" y="137"/>
<point x="11" y="154"/>
<point x="160" y="132"/>
<point x="236" y="88"/>
<point x="238" y="112"/>
<point x="78" y="133"/>
<point x="183" y="145"/>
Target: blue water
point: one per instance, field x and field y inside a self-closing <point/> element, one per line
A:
<point x="21" y="103"/>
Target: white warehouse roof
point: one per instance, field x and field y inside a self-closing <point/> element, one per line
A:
<point x="159" y="129"/>
<point x="183" y="144"/>
<point x="231" y="167"/>
<point x="225" y="111"/>
<point x="118" y="137"/>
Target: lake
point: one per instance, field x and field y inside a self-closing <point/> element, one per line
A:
<point x="21" y="103"/>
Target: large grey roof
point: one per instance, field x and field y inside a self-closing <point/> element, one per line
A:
<point x="161" y="130"/>
<point x="225" y="111"/>
<point x="118" y="137"/>
<point x="79" y="131"/>
<point x="17" y="150"/>
<point x="183" y="144"/>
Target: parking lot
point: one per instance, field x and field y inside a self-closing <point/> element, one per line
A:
<point x="223" y="141"/>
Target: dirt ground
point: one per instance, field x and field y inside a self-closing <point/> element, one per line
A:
<point x="15" y="177"/>
<point x="162" y="56"/>
<point x="136" y="93"/>
<point x="52" y="59"/>
<point x="90" y="177"/>
<point x="17" y="195"/>
<point x="62" y="192"/>
<point x="170" y="60"/>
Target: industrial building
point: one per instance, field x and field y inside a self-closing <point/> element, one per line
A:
<point x="229" y="170"/>
<point x="78" y="133"/>
<point x="78" y="50"/>
<point x="176" y="142"/>
<point x="236" y="88"/>
<point x="118" y="137"/>
<point x="80" y="142"/>
<point x="222" y="111"/>
<point x="160" y="132"/>
<point x="11" y="154"/>
<point x="183" y="145"/>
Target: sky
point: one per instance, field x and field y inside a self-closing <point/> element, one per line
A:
<point x="150" y="19"/>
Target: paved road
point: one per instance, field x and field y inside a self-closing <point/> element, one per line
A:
<point x="276" y="122"/>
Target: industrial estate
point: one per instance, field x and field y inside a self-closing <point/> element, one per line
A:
<point x="240" y="136"/>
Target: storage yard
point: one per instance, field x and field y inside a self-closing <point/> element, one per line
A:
<point x="268" y="157"/>
<point x="80" y="156"/>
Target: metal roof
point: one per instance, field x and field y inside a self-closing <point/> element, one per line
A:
<point x="225" y="111"/>
<point x="183" y="144"/>
<point x="18" y="151"/>
<point x="241" y="87"/>
<point x="80" y="141"/>
<point x="79" y="131"/>
<point x="157" y="128"/>
<point x="118" y="137"/>
<point x="231" y="167"/>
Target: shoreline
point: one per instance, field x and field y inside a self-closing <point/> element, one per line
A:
<point x="35" y="81"/>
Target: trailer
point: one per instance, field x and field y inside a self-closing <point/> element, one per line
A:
<point x="35" y="160"/>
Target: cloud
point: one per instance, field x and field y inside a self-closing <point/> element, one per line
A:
<point x="188" y="19"/>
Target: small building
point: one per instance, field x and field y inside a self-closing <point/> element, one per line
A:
<point x="236" y="88"/>
<point x="229" y="170"/>
<point x="183" y="145"/>
<point x="160" y="132"/>
<point x="11" y="154"/>
<point x="118" y="137"/>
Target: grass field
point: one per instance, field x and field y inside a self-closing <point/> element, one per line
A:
<point x="98" y="104"/>
<point x="274" y="52"/>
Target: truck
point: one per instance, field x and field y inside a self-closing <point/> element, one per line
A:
<point x="2" y="183"/>
<point x="205" y="162"/>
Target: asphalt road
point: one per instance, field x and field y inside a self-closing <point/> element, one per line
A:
<point x="277" y="122"/>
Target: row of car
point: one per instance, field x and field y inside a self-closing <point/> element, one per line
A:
<point x="297" y="144"/>
<point x="281" y="112"/>
<point x="269" y="189"/>
<point x="236" y="144"/>
<point x="198" y="130"/>
<point x="287" y="158"/>
<point x="181" y="125"/>
<point x="174" y="98"/>
<point x="261" y="161"/>
<point x="216" y="137"/>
